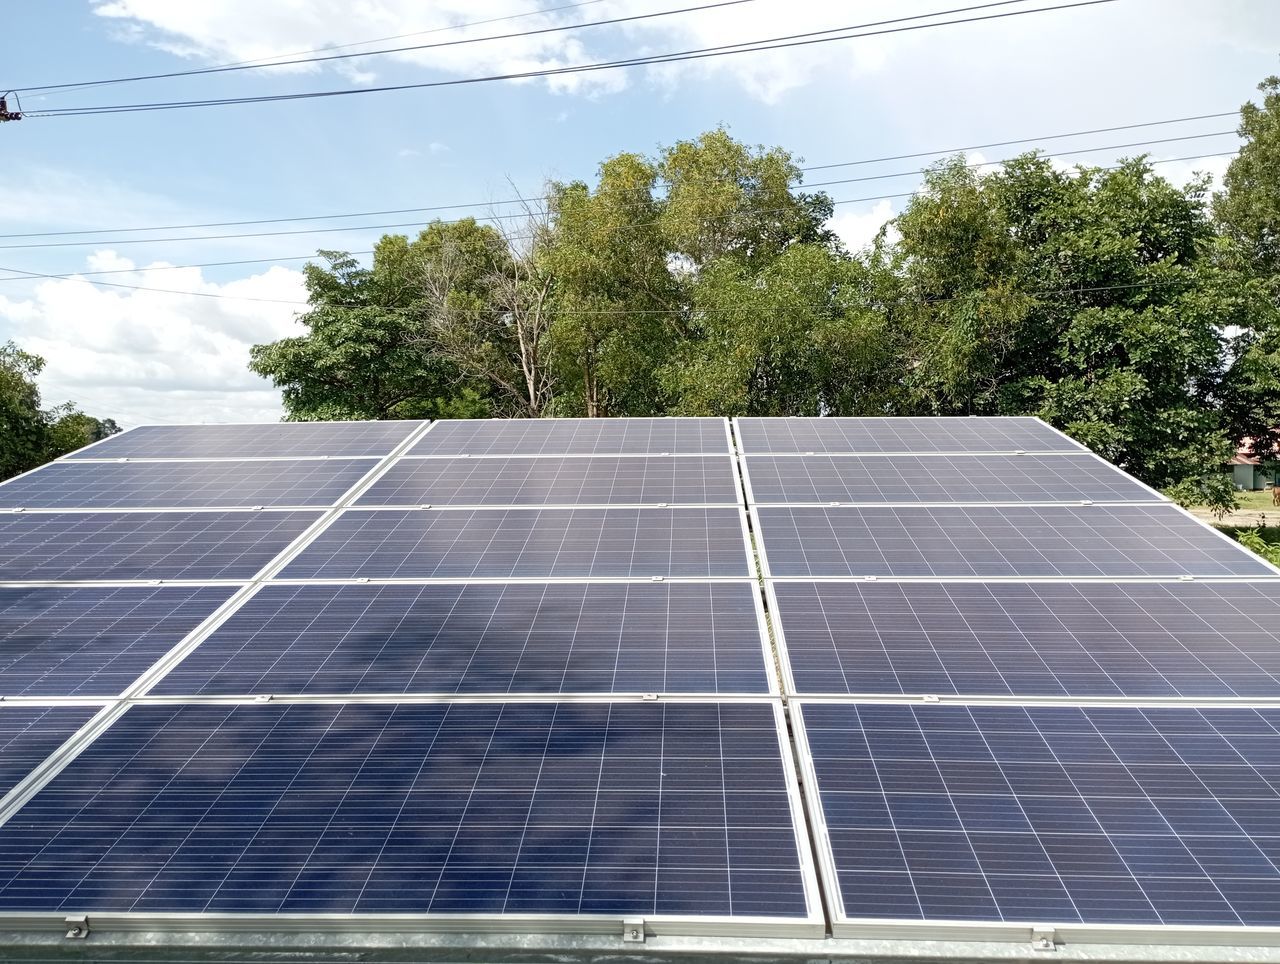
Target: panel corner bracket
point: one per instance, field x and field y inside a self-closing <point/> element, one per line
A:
<point x="633" y="930"/>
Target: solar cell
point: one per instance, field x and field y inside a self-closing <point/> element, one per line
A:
<point x="653" y="809"/>
<point x="575" y="436"/>
<point x="602" y="480"/>
<point x="144" y="545"/>
<point x="522" y="638"/>
<point x="940" y="478"/>
<point x="277" y="440"/>
<point x="1124" y="540"/>
<point x="1033" y="639"/>
<point x="994" y="434"/>
<point x="129" y="485"/>
<point x="28" y="734"/>
<point x="463" y="543"/>
<point x="93" y="641"/>
<point x="1115" y="815"/>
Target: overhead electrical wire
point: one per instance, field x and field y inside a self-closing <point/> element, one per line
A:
<point x="560" y="28"/>
<point x="272" y="61"/>
<point x="531" y="200"/>
<point x="28" y="275"/>
<point x="753" y="46"/>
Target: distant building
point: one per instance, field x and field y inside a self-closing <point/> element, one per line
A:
<point x="1248" y="472"/>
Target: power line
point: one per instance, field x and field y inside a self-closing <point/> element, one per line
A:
<point x="271" y="61"/>
<point x="394" y="50"/>
<point x="754" y="46"/>
<point x="496" y="217"/>
<point x="27" y="275"/>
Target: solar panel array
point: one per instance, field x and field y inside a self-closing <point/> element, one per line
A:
<point x="472" y="668"/>
<point x="1025" y="689"/>
<point x="558" y="675"/>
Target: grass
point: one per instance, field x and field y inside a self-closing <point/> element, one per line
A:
<point x="1257" y="502"/>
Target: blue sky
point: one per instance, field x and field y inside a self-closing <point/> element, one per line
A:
<point x="145" y="356"/>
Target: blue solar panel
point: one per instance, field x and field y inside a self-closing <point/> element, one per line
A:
<point x="1113" y="815"/>
<point x="278" y="440"/>
<point x="1033" y="639"/>
<point x="524" y="638"/>
<point x="909" y="434"/>
<point x="1123" y="540"/>
<point x="28" y="734"/>
<point x="601" y="480"/>
<point x="650" y="809"/>
<point x="93" y="641"/>
<point x="575" y="436"/>
<point x="131" y="485"/>
<point x="940" y="478"/>
<point x="144" y="545"/>
<point x="459" y="543"/>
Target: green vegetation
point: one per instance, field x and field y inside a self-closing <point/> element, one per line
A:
<point x="1140" y="317"/>
<point x="1264" y="541"/>
<point x="31" y="435"/>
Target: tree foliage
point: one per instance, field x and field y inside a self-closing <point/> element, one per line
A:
<point x="1141" y="317"/>
<point x="31" y="435"/>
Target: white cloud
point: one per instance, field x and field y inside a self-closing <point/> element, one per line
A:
<point x="1180" y="172"/>
<point x="857" y="229"/>
<point x="148" y="356"/>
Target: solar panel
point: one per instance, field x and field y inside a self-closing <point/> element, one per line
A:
<point x="93" y="641"/>
<point x="1033" y="639"/>
<point x="504" y="543"/>
<point x="940" y="478"/>
<point x="1125" y="540"/>
<point x="28" y="734"/>
<point x="654" y="809"/>
<point x="575" y="436"/>
<point x="1115" y="815"/>
<point x="522" y="638"/>
<point x="602" y="480"/>
<point x="129" y="485"/>
<point x="870" y="435"/>
<point x="144" y="545"/>
<point x="278" y="440"/>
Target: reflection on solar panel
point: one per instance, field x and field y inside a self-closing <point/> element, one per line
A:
<point x="940" y="478"/>
<point x="1033" y="639"/>
<point x="127" y="485"/>
<point x="900" y="435"/>
<point x="93" y="641"/>
<point x="568" y="809"/>
<point x="144" y="545"/>
<point x="603" y="480"/>
<point x="460" y="543"/>
<point x="279" y="440"/>
<point x="1100" y="815"/>
<point x="575" y="436"/>
<point x="28" y="734"/>
<point x="538" y="638"/>
<point x="1126" y="540"/>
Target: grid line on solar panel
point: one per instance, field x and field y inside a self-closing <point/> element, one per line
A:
<point x="672" y="810"/>
<point x="464" y="543"/>
<point x="1096" y="815"/>
<point x="28" y="734"/>
<point x="905" y="435"/>
<point x="468" y="639"/>
<point x="93" y="641"/>
<point x="597" y="480"/>
<point x="242" y="441"/>
<point x="569" y="436"/>
<point x="224" y="484"/>
<point x="194" y="545"/>
<point x="988" y="541"/>
<point x="940" y="478"/>
<point x="1031" y="639"/>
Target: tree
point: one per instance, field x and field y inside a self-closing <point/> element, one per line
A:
<point x="1248" y="209"/>
<point x="365" y="354"/>
<point x="30" y="435"/>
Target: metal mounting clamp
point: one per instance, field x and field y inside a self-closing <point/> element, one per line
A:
<point x="633" y="930"/>
<point x="1044" y="939"/>
<point x="77" y="927"/>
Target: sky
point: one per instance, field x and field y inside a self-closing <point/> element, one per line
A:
<point x="180" y="354"/>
